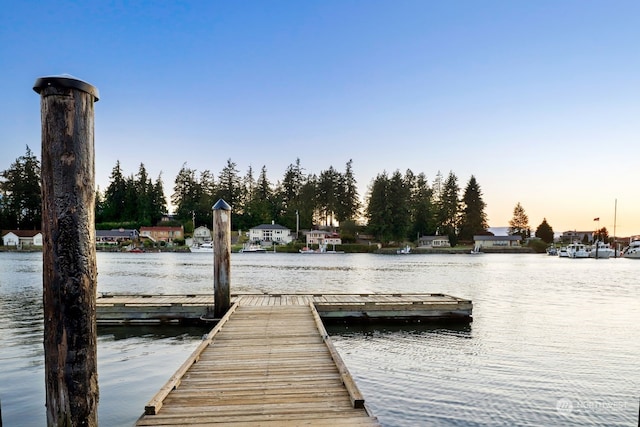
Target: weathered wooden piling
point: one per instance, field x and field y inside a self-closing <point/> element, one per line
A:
<point x="69" y="257"/>
<point x="221" y="258"/>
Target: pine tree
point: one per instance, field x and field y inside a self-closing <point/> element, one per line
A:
<point x="20" y="193"/>
<point x="473" y="220"/>
<point x="519" y="224"/>
<point x="545" y="232"/>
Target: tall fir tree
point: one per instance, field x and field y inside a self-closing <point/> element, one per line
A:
<point x="473" y="220"/>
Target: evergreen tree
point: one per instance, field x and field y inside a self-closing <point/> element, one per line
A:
<point x="519" y="224"/>
<point x="421" y="207"/>
<point x="348" y="202"/>
<point x="308" y="202"/>
<point x="545" y="232"/>
<point x="473" y="220"/>
<point x="398" y="200"/>
<point x="21" y="194"/>
<point x="378" y="211"/>
<point x="449" y="209"/>
<point x="288" y="195"/>
<point x="329" y="194"/>
<point x="229" y="185"/>
<point x="187" y="194"/>
<point x="114" y="196"/>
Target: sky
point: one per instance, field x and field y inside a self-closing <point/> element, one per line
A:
<point x="538" y="100"/>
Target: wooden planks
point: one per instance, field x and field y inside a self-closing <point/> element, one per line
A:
<point x="268" y="365"/>
<point x="115" y="309"/>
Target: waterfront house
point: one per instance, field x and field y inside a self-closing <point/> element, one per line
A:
<point x="116" y="236"/>
<point x="434" y="242"/>
<point x="577" y="236"/>
<point x="270" y="233"/>
<point x="162" y="234"/>
<point x="201" y="234"/>
<point x="322" y="238"/>
<point x="497" y="241"/>
<point x="22" y="238"/>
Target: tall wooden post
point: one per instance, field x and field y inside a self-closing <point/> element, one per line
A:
<point x="69" y="250"/>
<point x="221" y="258"/>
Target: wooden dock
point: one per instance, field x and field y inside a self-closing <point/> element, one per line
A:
<point x="149" y="309"/>
<point x="264" y="364"/>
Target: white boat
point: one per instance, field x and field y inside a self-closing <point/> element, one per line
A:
<point x="202" y="247"/>
<point x="552" y="251"/>
<point x="562" y="253"/>
<point x="404" y="251"/>
<point x="601" y="249"/>
<point x="633" y="250"/>
<point x="577" y="250"/>
<point x="252" y="248"/>
<point x="475" y="250"/>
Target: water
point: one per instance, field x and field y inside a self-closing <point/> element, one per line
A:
<point x="553" y="341"/>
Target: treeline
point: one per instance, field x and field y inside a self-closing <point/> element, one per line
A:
<point x="397" y="207"/>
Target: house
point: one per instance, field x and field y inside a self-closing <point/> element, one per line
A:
<point x="434" y="242"/>
<point x="270" y="233"/>
<point x="577" y="236"/>
<point x="201" y="234"/>
<point x="496" y="241"/>
<point x="321" y="237"/>
<point x="22" y="238"/>
<point x="162" y="234"/>
<point x="115" y="236"/>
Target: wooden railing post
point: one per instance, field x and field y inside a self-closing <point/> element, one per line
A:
<point x="69" y="250"/>
<point x="221" y="258"/>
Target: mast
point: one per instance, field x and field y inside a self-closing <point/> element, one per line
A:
<point x="615" y="216"/>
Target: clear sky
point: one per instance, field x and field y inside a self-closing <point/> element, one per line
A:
<point x="539" y="100"/>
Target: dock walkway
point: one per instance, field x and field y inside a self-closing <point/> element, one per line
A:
<point x="149" y="309"/>
<point x="263" y="364"/>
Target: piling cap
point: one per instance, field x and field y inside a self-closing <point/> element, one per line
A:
<point x="66" y="81"/>
<point x="221" y="205"/>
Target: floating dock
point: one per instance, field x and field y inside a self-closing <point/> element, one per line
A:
<point x="150" y="309"/>
<point x="262" y="365"/>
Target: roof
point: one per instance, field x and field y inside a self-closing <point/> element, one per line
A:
<point x="269" y="227"/>
<point x="497" y="238"/>
<point x="160" y="228"/>
<point x="22" y="233"/>
<point x="120" y="232"/>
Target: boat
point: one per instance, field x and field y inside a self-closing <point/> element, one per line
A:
<point x="552" y="251"/>
<point x="404" y="251"/>
<point x="202" y="247"/>
<point x="322" y="249"/>
<point x="601" y="250"/>
<point x="577" y="250"/>
<point x="475" y="250"/>
<point x="252" y="248"/>
<point x="136" y="250"/>
<point x="562" y="253"/>
<point x="633" y="250"/>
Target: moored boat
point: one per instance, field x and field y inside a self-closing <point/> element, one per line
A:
<point x="562" y="253"/>
<point x="577" y="250"/>
<point x="601" y="250"/>
<point x="203" y="247"/>
<point x="633" y="250"/>
<point x="252" y="248"/>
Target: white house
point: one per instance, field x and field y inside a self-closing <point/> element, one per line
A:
<point x="321" y="237"/>
<point x="496" y="241"/>
<point x="202" y="234"/>
<point x="22" y="238"/>
<point x="434" y="242"/>
<point x="270" y="233"/>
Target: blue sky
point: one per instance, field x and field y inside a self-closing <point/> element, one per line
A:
<point x="539" y="100"/>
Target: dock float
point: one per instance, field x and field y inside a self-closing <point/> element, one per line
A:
<point x="150" y="309"/>
<point x="263" y="364"/>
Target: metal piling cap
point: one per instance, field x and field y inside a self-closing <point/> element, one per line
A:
<point x="66" y="81"/>
<point x="221" y="205"/>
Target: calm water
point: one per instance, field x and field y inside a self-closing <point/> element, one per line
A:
<point x="554" y="341"/>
